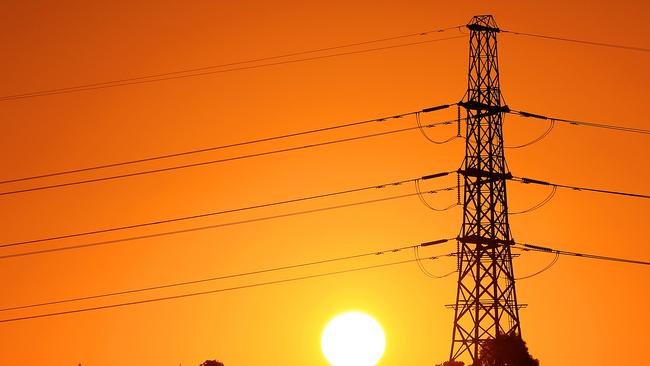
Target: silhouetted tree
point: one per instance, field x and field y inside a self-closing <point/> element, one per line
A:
<point x="505" y="350"/>
<point x="211" y="363"/>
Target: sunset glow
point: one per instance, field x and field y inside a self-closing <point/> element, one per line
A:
<point x="218" y="180"/>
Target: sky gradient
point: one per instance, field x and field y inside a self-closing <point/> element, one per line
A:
<point x="580" y="311"/>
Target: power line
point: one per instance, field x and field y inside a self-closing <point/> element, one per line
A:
<point x="215" y="226"/>
<point x="426" y="204"/>
<point x="424" y="134"/>
<point x="191" y="72"/>
<point x="423" y="268"/>
<point x="546" y="268"/>
<point x="215" y="213"/>
<point x="576" y="188"/>
<point x="592" y="43"/>
<point x="223" y="277"/>
<point x="581" y="123"/>
<point x="535" y="140"/>
<point x="543" y="202"/>
<point x="226" y="146"/>
<point x="223" y="160"/>
<point x="537" y="248"/>
<point x="193" y="294"/>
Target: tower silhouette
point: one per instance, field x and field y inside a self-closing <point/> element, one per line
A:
<point x="486" y="301"/>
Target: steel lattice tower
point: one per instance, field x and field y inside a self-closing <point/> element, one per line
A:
<point x="486" y="301"/>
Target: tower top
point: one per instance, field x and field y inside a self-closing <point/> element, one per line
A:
<point x="483" y="23"/>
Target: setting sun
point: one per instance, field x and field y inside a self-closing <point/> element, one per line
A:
<point x="353" y="339"/>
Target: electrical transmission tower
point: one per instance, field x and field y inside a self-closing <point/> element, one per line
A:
<point x="486" y="301"/>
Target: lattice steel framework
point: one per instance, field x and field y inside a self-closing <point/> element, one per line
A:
<point x="486" y="301"/>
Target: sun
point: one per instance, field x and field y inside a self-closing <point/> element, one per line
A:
<point x="353" y="339"/>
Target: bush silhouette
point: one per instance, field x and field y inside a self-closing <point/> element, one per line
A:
<point x="505" y="350"/>
<point x="211" y="363"/>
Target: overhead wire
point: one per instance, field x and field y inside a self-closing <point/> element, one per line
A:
<point x="419" y="123"/>
<point x="525" y="180"/>
<point x="208" y="70"/>
<point x="225" y="146"/>
<point x="546" y="268"/>
<point x="546" y="200"/>
<point x="535" y="140"/>
<point x="592" y="43"/>
<point x="207" y="227"/>
<point x="223" y="277"/>
<point x="220" y="147"/>
<point x="581" y="123"/>
<point x="424" y="201"/>
<point x="200" y="293"/>
<point x="222" y="160"/>
<point x="424" y="270"/>
<point x="213" y="213"/>
<point x="543" y="249"/>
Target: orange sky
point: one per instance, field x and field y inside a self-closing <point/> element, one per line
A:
<point x="581" y="311"/>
